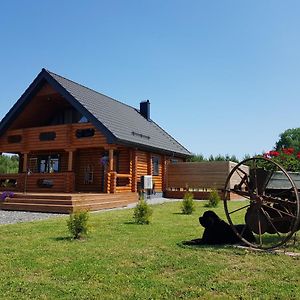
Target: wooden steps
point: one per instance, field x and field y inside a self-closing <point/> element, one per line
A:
<point x="66" y="203"/>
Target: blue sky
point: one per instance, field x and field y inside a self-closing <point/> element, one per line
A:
<point x="222" y="76"/>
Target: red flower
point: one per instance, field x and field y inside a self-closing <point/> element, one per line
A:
<point x="298" y="155"/>
<point x="288" y="151"/>
<point x="274" y="153"/>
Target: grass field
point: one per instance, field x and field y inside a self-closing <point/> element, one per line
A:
<point x="121" y="260"/>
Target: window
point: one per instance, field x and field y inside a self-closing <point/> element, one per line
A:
<point x="11" y="139"/>
<point x="155" y="165"/>
<point x="82" y="133"/>
<point x="49" y="164"/>
<point x="47" y="136"/>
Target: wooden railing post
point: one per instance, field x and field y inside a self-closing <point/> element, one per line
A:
<point x="107" y="185"/>
<point x="25" y="162"/>
<point x="110" y="160"/>
<point x="113" y="182"/>
<point x="70" y="161"/>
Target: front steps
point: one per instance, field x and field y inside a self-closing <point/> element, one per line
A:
<point x="66" y="203"/>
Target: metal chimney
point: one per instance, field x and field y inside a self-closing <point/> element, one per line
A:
<point x="145" y="109"/>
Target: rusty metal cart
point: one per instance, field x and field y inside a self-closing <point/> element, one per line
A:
<point x="270" y="206"/>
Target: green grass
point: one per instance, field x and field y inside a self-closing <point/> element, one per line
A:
<point x="122" y="260"/>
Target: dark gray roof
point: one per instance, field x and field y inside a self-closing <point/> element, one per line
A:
<point x="124" y="122"/>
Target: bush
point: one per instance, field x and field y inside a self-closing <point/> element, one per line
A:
<point x="142" y="212"/>
<point x="188" y="204"/>
<point x="214" y="198"/>
<point x="78" y="224"/>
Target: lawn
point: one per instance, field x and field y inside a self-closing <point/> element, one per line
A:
<point x="122" y="260"/>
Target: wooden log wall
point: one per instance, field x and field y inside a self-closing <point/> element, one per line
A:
<point x="144" y="167"/>
<point x="65" y="138"/>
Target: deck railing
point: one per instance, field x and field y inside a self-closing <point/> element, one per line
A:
<point x="37" y="182"/>
<point x="118" y="182"/>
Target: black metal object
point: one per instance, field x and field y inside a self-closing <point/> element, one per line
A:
<point x="45" y="183"/>
<point x="271" y="206"/>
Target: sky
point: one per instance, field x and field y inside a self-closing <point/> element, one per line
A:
<point x="222" y="76"/>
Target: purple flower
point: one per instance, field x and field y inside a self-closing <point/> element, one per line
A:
<point x="6" y="194"/>
<point x="104" y="160"/>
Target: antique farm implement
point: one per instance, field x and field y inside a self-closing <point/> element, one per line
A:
<point x="271" y="207"/>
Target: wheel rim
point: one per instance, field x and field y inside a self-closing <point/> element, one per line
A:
<point x="270" y="212"/>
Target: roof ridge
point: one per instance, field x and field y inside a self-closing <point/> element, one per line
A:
<point x="84" y="86"/>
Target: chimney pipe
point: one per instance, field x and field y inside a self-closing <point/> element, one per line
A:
<point x="145" y="109"/>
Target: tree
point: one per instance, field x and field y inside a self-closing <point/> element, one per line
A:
<point x="9" y="164"/>
<point x="290" y="138"/>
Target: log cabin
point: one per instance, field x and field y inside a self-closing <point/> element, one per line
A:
<point x="80" y="149"/>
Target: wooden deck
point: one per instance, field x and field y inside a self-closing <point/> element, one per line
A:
<point x="66" y="203"/>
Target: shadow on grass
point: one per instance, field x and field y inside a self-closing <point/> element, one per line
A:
<point x="182" y="214"/>
<point x="130" y="223"/>
<point x="63" y="238"/>
<point x="199" y="247"/>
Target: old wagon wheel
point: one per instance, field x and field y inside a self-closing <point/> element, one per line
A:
<point x="271" y="206"/>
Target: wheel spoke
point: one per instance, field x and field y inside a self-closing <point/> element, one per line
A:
<point x="238" y="209"/>
<point x="259" y="229"/>
<point x="240" y="193"/>
<point x="244" y="179"/>
<point x="255" y="176"/>
<point x="280" y="211"/>
<point x="268" y="218"/>
<point x="280" y="201"/>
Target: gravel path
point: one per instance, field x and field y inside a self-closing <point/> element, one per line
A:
<point x="11" y="217"/>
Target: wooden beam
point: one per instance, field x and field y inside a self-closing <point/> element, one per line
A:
<point x="149" y="164"/>
<point x="25" y="162"/>
<point x="70" y="161"/>
<point x="164" y="172"/>
<point x="110" y="160"/>
<point x="133" y="156"/>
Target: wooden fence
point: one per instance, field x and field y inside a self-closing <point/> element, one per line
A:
<point x="199" y="178"/>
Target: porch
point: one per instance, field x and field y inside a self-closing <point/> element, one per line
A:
<point x="66" y="202"/>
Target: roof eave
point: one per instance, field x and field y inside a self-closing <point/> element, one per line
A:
<point x="153" y="149"/>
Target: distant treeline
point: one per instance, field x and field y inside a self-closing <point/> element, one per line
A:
<point x="219" y="157"/>
<point x="9" y="164"/>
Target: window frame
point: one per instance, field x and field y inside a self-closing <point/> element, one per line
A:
<point x="48" y="159"/>
<point x="155" y="160"/>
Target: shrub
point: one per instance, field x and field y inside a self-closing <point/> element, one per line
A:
<point x="188" y="204"/>
<point x="214" y="198"/>
<point x="78" y="224"/>
<point x="142" y="212"/>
